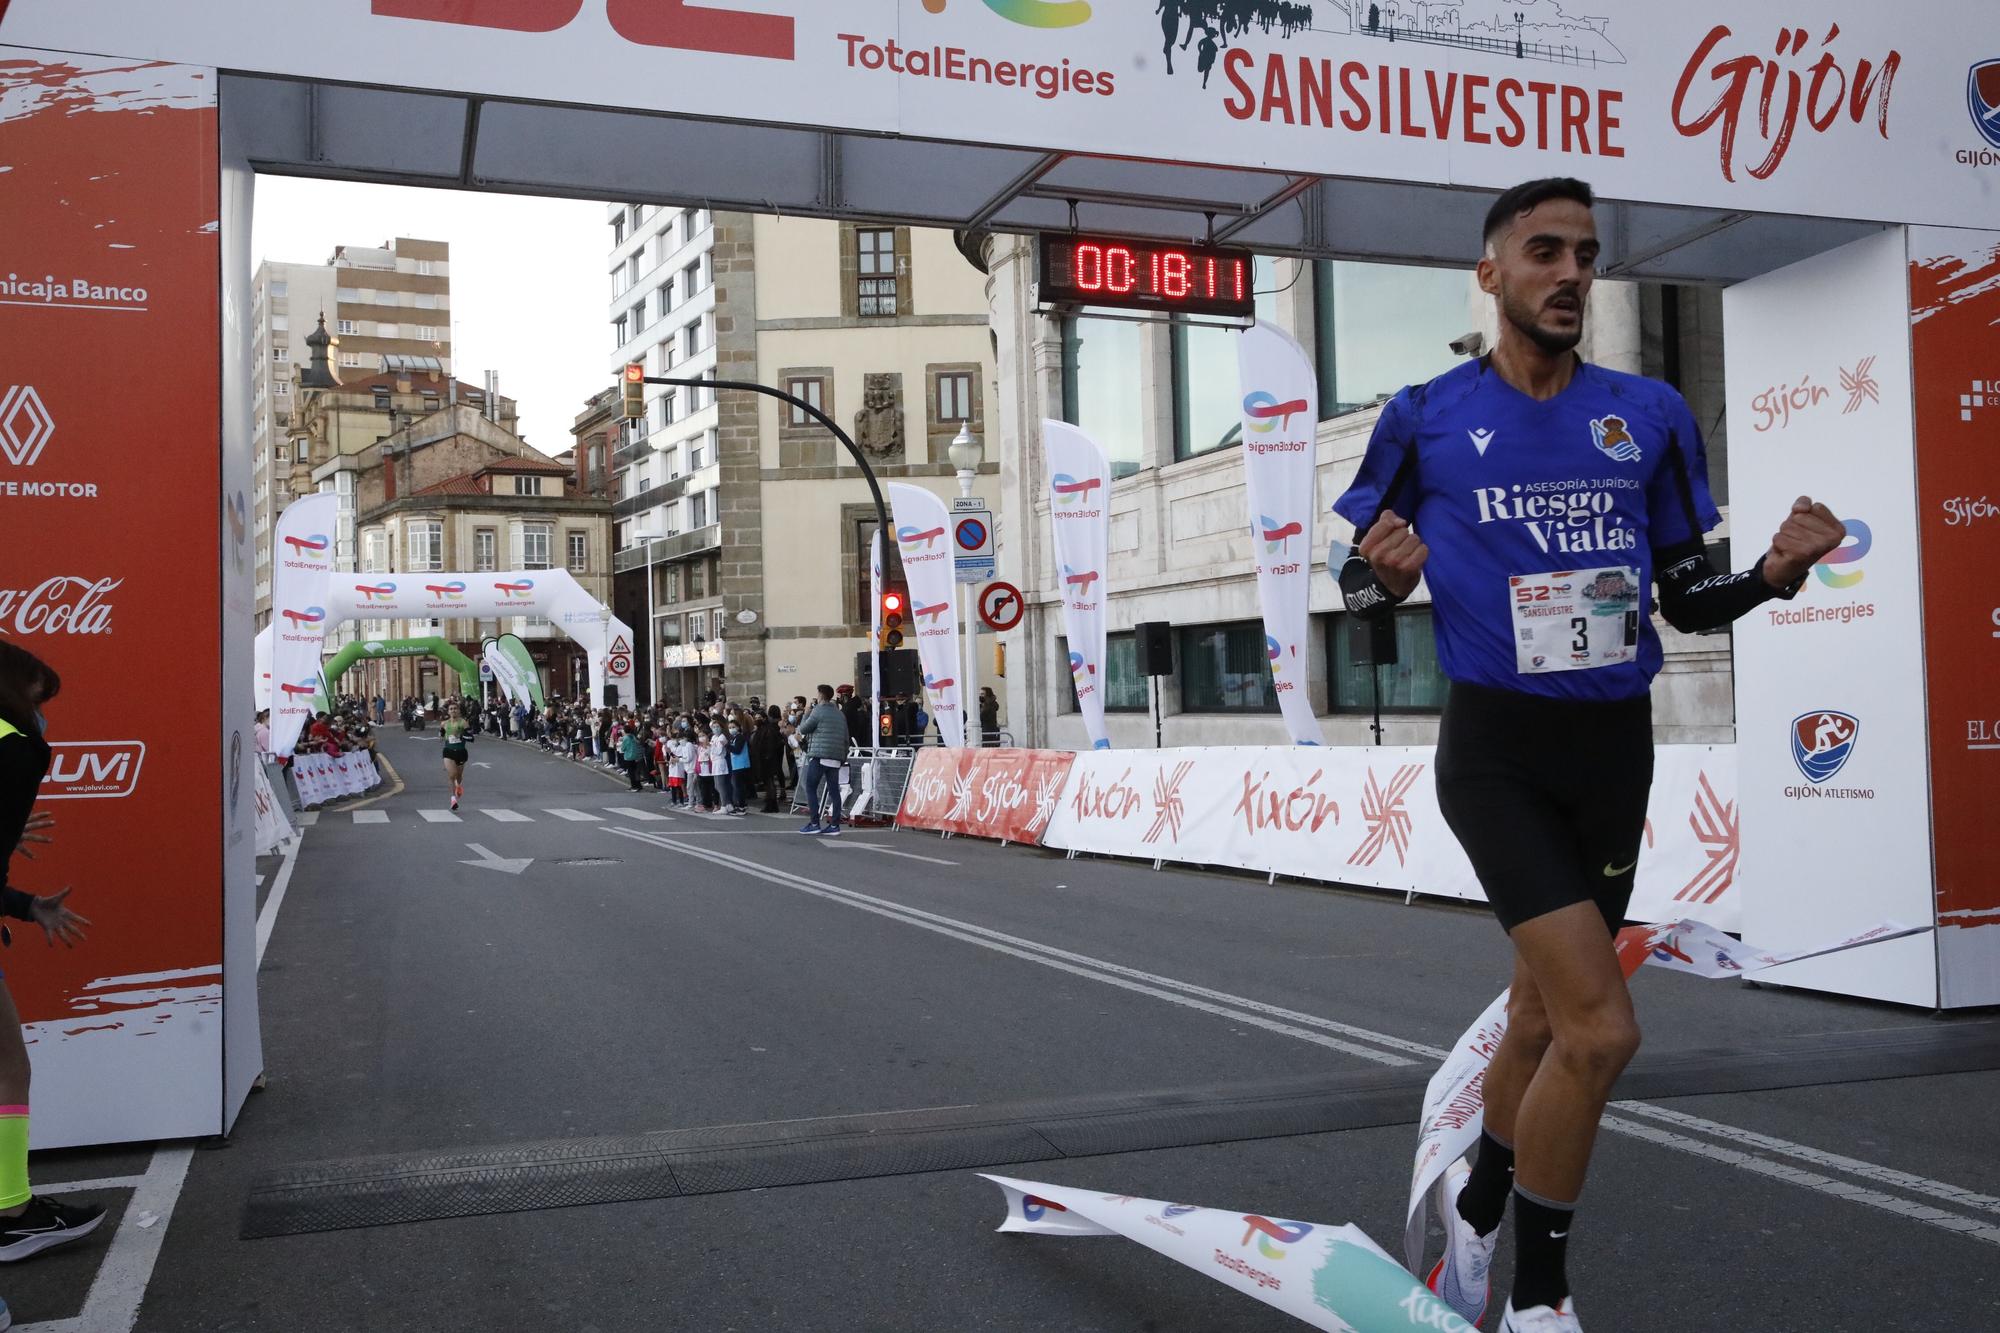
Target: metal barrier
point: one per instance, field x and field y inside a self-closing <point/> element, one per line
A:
<point x="888" y="773"/>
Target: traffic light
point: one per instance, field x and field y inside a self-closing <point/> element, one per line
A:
<point x="892" y="620"/>
<point x="635" y="390"/>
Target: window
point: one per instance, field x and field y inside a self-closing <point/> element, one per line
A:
<point x="485" y="550"/>
<point x="1224" y="669"/>
<point x="423" y="538"/>
<point x="690" y="222"/>
<point x="670" y="626"/>
<point x="697" y="626"/>
<point x="381" y="398"/>
<point x="388" y="330"/>
<point x="632" y="268"/>
<point x="618" y="330"/>
<point x="281" y="323"/>
<point x="811" y="390"/>
<point x="691" y="278"/>
<point x="638" y="216"/>
<point x="350" y="358"/>
<point x="281" y="354"/>
<point x="278" y="290"/>
<point x="1207" y="410"/>
<point x="284" y="389"/>
<point x="1101" y="386"/>
<point x="579" y="552"/>
<point x="667" y="408"/>
<point x="691" y="339"/>
<point x="1382" y="326"/>
<point x="698" y="511"/>
<point x="877" y="250"/>
<point x="697" y="457"/>
<point x="618" y="230"/>
<point x="535" y="539"/>
<point x="375" y="551"/>
<point x="663" y="297"/>
<point x="639" y="318"/>
<point x="432" y="402"/>
<point x="424" y="332"/>
<point x="671" y="589"/>
<point x="697" y="580"/>
<point x="954" y="396"/>
<point x="1413" y="685"/>
<point x="527" y="485"/>
<point x="1125" y="690"/>
<point x="672" y="464"/>
<point x="346" y="326"/>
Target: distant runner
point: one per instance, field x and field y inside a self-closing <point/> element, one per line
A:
<point x="1555" y="494"/>
<point x="455" y="730"/>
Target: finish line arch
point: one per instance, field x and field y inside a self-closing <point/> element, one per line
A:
<point x="432" y="646"/>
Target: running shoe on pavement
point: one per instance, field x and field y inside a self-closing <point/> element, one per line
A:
<point x="44" y="1224"/>
<point x="833" y="830"/>
<point x="1463" y="1276"/>
<point x="1559" y="1318"/>
<point x="812" y="829"/>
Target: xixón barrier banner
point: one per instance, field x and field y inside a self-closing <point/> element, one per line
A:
<point x="1080" y="516"/>
<point x="988" y="793"/>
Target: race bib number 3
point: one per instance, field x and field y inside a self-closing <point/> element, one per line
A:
<point x="1576" y="619"/>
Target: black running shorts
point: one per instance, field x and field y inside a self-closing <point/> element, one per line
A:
<point x="456" y="754"/>
<point x="1547" y="796"/>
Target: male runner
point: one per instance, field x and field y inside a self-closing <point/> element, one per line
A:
<point x="1555" y="494"/>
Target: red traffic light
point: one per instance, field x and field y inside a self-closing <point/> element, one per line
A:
<point x="635" y="372"/>
<point x="891" y="602"/>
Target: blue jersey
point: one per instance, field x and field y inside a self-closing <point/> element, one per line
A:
<point x="1606" y="473"/>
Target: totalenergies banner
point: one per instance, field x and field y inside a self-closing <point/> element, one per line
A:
<point x="1080" y="515"/>
<point x="988" y="793"/>
<point x="1280" y="425"/>
<point x="921" y="538"/>
<point x="1842" y="108"/>
<point x="109" y="300"/>
<point x="301" y="588"/>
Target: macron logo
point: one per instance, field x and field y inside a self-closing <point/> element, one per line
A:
<point x="1480" y="439"/>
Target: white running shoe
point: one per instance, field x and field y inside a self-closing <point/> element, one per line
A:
<point x="1559" y="1318"/>
<point x="1463" y="1276"/>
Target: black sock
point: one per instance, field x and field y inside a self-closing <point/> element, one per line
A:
<point x="1483" y="1201"/>
<point x="1541" y="1241"/>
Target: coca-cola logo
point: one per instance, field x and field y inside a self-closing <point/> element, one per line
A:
<point x="64" y="604"/>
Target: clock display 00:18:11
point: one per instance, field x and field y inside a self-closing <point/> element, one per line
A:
<point x="1166" y="275"/>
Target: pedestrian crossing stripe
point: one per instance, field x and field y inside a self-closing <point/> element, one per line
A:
<point x="440" y="817"/>
<point x="505" y="816"/>
<point x="630" y="813"/>
<point x="575" y="816"/>
<point x="371" y="816"/>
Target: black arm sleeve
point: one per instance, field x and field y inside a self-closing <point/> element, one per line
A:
<point x="1695" y="599"/>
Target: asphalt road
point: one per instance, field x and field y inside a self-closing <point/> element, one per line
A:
<point x="643" y="978"/>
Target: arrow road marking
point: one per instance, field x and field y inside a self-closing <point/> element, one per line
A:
<point x="513" y="865"/>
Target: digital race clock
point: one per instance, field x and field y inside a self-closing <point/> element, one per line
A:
<point x="1082" y="269"/>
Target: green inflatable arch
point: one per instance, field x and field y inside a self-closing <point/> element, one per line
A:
<point x="467" y="669"/>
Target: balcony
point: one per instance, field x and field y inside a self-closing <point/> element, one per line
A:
<point x="671" y="489"/>
<point x="669" y="549"/>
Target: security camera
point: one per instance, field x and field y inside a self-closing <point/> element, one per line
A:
<point x="1469" y="344"/>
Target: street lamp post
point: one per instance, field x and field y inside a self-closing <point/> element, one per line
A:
<point x="966" y="453"/>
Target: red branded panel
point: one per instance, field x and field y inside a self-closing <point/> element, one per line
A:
<point x="1006" y="794"/>
<point x="1955" y="344"/>
<point x="110" y="506"/>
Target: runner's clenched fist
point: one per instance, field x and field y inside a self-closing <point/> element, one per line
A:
<point x="1395" y="552"/>
<point x="1805" y="538"/>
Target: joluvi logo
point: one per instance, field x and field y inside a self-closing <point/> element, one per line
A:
<point x="1031" y="13"/>
<point x="1069" y="492"/>
<point x="1264" y="413"/>
<point x="1823" y="741"/>
<point x="1848" y="553"/>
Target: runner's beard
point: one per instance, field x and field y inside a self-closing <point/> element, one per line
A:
<point x="1554" y="342"/>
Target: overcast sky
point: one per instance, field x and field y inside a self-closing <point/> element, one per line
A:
<point x="529" y="296"/>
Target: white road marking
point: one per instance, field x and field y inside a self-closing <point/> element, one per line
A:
<point x="635" y="814"/>
<point x="113" y="1303"/>
<point x="886" y="851"/>
<point x="508" y="816"/>
<point x="85" y="1186"/>
<point x="305" y="818"/>
<point x="371" y="816"/>
<point x="275" y="899"/>
<point x="1241" y="1009"/>
<point x="513" y="865"/>
<point x="574" y="816"/>
<point x="440" y="817"/>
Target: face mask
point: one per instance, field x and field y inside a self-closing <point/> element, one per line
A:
<point x="41" y="724"/>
